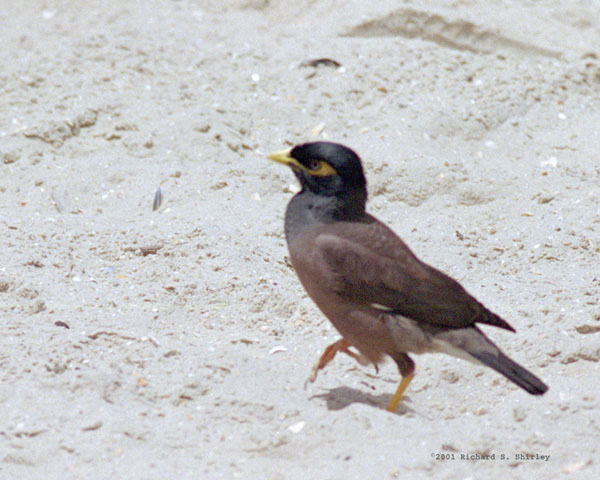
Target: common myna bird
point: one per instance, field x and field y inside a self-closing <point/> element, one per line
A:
<point x="380" y="297"/>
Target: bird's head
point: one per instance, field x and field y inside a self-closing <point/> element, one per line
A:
<point x="325" y="168"/>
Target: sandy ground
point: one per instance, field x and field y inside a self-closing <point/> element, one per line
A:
<point x="175" y="343"/>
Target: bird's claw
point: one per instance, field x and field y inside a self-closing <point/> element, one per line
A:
<point x="313" y="374"/>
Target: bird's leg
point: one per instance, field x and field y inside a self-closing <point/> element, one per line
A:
<point x="340" y="346"/>
<point x="407" y="369"/>
<point x="395" y="401"/>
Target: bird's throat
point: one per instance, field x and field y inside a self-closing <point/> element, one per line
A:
<point x="307" y="209"/>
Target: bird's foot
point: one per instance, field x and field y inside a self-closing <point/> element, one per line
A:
<point x="328" y="355"/>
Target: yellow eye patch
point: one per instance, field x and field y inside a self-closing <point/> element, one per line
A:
<point x="318" y="168"/>
<point x="321" y="169"/>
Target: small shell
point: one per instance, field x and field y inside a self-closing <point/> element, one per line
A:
<point x="277" y="349"/>
<point x="157" y="199"/>
<point x="297" y="427"/>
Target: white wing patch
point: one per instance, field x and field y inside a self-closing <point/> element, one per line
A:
<point x="383" y="308"/>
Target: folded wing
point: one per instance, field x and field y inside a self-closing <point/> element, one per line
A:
<point x="370" y="265"/>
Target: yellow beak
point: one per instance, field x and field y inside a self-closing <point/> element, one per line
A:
<point x="283" y="157"/>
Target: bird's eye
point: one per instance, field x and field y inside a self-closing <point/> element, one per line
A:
<point x="319" y="168"/>
<point x="314" y="165"/>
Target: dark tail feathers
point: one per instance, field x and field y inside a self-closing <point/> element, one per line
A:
<point x="513" y="371"/>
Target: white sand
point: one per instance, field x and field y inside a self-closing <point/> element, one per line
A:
<point x="479" y="127"/>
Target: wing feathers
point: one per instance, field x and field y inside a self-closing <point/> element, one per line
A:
<point x="369" y="264"/>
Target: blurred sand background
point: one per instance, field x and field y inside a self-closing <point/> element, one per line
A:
<point x="175" y="343"/>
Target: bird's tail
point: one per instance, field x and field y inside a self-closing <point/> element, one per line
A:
<point x="511" y="370"/>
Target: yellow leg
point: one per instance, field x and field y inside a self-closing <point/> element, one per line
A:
<point x="395" y="401"/>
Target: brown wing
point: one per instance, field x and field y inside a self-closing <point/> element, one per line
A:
<point x="371" y="265"/>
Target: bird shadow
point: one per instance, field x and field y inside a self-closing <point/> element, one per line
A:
<point x="339" y="398"/>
